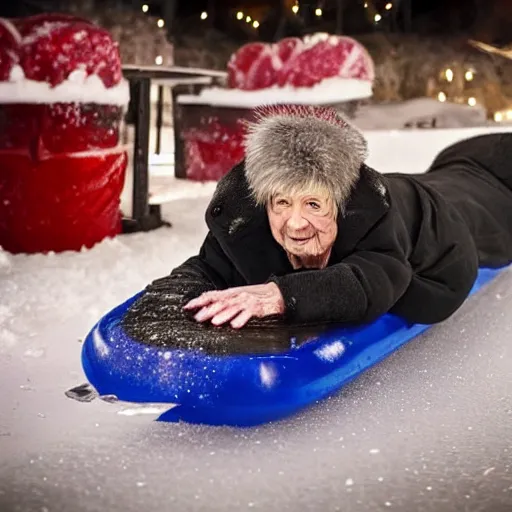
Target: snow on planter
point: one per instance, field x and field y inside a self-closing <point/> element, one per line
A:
<point x="62" y="98"/>
<point x="321" y="69"/>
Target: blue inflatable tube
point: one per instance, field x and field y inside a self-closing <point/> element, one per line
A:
<point x="239" y="390"/>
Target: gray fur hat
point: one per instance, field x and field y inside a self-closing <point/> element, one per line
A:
<point x="298" y="148"/>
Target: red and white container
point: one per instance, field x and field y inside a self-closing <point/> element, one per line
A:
<point x="62" y="168"/>
<point x="321" y="69"/>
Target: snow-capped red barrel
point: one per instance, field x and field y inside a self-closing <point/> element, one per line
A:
<point x="62" y="97"/>
<point x="320" y="69"/>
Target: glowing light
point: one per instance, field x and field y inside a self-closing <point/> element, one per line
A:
<point x="159" y="60"/>
<point x="509" y="115"/>
<point x="145" y="8"/>
<point x="295" y="9"/>
<point x="256" y="24"/>
<point x="318" y="12"/>
<point x="471" y="102"/>
<point x="441" y="97"/>
<point x="469" y="76"/>
<point x="204" y="15"/>
<point x="448" y="74"/>
<point x="498" y="116"/>
<point x="160" y="23"/>
<point x="389" y="6"/>
<point x="377" y="18"/>
<point x="248" y="19"/>
<point x="365" y="5"/>
<point x="239" y="15"/>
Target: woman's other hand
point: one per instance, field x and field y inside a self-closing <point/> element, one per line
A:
<point x="238" y="305"/>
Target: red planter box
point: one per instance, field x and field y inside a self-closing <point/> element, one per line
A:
<point x="61" y="176"/>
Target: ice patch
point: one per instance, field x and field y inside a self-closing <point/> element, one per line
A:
<point x="331" y="351"/>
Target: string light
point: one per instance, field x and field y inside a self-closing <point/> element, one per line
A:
<point x="441" y="97"/>
<point x="145" y="8"/>
<point x="503" y="115"/>
<point x="248" y="19"/>
<point x="239" y="15"/>
<point x="256" y="24"/>
<point x="318" y="12"/>
<point x="160" y="23"/>
<point x="471" y="102"/>
<point x="389" y="6"/>
<point x="366" y="5"/>
<point x="449" y="74"/>
<point x="159" y="60"/>
<point x="295" y="9"/>
<point x="469" y="76"/>
<point x="204" y="15"/>
<point x="377" y="18"/>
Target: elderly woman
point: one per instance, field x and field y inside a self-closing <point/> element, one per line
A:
<point x="304" y="230"/>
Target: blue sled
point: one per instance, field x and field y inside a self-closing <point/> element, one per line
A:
<point x="238" y="390"/>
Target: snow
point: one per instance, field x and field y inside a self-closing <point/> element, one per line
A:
<point x="78" y="88"/>
<point x="418" y="112"/>
<point x="438" y="411"/>
<point x="329" y="91"/>
<point x="43" y="31"/>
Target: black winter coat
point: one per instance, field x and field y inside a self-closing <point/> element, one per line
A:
<point x="406" y="244"/>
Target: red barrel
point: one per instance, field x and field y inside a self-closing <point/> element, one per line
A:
<point x="59" y="189"/>
<point x="62" y="168"/>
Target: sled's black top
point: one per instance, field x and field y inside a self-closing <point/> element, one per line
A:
<point x="157" y="319"/>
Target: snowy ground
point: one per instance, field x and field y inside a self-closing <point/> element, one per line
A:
<point x="426" y="430"/>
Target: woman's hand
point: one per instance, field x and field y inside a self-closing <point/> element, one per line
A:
<point x="238" y="305"/>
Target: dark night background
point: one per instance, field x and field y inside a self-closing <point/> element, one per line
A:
<point x="488" y="20"/>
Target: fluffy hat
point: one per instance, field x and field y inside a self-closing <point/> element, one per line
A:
<point x="294" y="148"/>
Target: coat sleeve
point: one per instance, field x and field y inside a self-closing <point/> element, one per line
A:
<point x="359" y="289"/>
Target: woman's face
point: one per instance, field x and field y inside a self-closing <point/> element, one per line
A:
<point x="304" y="225"/>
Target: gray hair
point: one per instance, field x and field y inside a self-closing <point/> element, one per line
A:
<point x="293" y="149"/>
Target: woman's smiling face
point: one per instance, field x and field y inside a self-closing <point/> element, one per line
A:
<point x="305" y="226"/>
